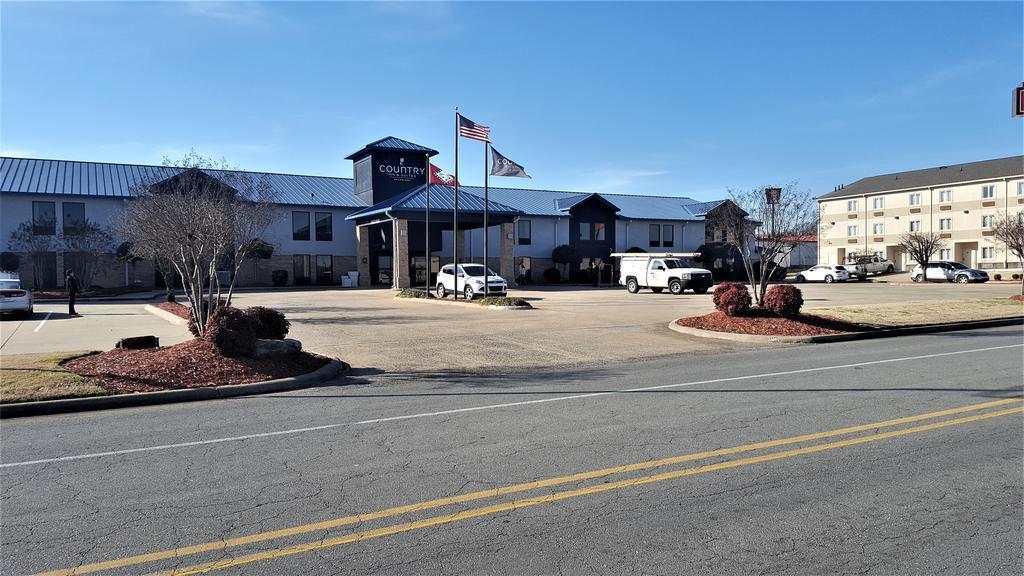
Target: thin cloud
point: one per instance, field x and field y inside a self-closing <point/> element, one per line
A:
<point x="236" y="13"/>
<point x="17" y="152"/>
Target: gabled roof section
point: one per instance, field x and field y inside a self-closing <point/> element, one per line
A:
<point x="566" y="204"/>
<point x="702" y="208"/>
<point x="634" y="207"/>
<point x="442" y="198"/>
<point x="99" y="179"/>
<point x="938" y="176"/>
<point x="392" y="144"/>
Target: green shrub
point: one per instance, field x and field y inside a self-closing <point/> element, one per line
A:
<point x="552" y="276"/>
<point x="1015" y="276"/>
<point x="268" y="323"/>
<point x="413" y="293"/>
<point x="503" y="301"/>
<point x="231" y="330"/>
<point x="279" y="277"/>
<point x="784" y="300"/>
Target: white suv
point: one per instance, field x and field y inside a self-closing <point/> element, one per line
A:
<point x="470" y="281"/>
<point x="14" y="298"/>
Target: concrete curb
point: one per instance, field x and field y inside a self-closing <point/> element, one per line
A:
<point x="165" y="315"/>
<point x="869" y="334"/>
<point x="463" y="303"/>
<point x="331" y="370"/>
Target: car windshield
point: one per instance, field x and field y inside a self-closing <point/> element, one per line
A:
<point x="476" y="270"/>
<point x="10" y="284"/>
<point x="840" y="268"/>
<point x="671" y="263"/>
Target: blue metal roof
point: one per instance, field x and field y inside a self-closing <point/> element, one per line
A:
<point x="441" y="198"/>
<point x="33" y="176"/>
<point x="391" y="143"/>
<point x="26" y="175"/>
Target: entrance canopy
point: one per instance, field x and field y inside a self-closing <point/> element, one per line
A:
<point x="412" y="206"/>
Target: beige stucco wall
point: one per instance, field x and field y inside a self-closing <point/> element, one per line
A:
<point x="966" y="238"/>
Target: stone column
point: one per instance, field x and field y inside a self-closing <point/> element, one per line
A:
<point x="400" y="256"/>
<point x="507" y="265"/>
<point x="363" y="255"/>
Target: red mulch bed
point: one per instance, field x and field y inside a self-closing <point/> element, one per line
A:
<point x="1017" y="297"/>
<point x="763" y="323"/>
<point x="192" y="364"/>
<point x="179" y="310"/>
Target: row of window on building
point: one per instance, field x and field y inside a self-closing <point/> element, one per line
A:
<point x="44" y="218"/>
<point x="915" y="225"/>
<point x="324" y="226"/>
<point x="988" y="191"/>
<point x="661" y="235"/>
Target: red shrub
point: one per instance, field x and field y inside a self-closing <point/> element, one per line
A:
<point x="784" y="300"/>
<point x="269" y="323"/>
<point x="231" y="330"/>
<point x="732" y="298"/>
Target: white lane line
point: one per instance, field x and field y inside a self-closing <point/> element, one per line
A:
<point x="498" y="406"/>
<point x="48" y="314"/>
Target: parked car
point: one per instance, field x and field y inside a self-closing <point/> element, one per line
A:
<point x="469" y="281"/>
<point x="660" y="271"/>
<point x="864" y="265"/>
<point x="824" y="273"/>
<point x="14" y="299"/>
<point x="948" y="272"/>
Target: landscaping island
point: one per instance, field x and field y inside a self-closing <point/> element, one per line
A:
<point x="505" y="302"/>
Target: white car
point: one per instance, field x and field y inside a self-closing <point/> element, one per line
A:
<point x="13" y="298"/>
<point x="824" y="273"/>
<point x="469" y="281"/>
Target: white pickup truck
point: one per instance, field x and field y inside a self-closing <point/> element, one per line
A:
<point x="861" y="266"/>
<point x="658" y="271"/>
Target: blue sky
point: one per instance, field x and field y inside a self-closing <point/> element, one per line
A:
<point x="663" y="98"/>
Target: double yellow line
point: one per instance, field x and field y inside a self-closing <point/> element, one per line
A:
<point x="525" y="503"/>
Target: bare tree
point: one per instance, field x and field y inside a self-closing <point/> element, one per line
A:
<point x="84" y="247"/>
<point x="30" y="238"/>
<point x="200" y="221"/>
<point x="920" y="246"/>
<point x="764" y="227"/>
<point x="1010" y="231"/>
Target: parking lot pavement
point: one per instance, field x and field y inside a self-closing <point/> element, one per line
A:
<point x="99" y="327"/>
<point x="371" y="329"/>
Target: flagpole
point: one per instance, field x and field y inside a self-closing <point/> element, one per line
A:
<point x="426" y="225"/>
<point x="455" y="214"/>
<point x="487" y="288"/>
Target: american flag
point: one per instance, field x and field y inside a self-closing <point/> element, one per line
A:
<point x="470" y="129"/>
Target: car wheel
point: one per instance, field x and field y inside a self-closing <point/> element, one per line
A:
<point x="889" y="270"/>
<point x="468" y="293"/>
<point x="917" y="278"/>
<point x="632" y="286"/>
<point x="657" y="290"/>
<point x="800" y="279"/>
<point x="675" y="287"/>
<point x="700" y="290"/>
<point x="440" y="291"/>
<point x="829" y="279"/>
<point x="862" y="277"/>
<point x="962" y="279"/>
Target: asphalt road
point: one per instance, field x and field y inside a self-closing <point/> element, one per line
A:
<point x="516" y="473"/>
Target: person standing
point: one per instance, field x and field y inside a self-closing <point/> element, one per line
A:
<point x="71" y="287"/>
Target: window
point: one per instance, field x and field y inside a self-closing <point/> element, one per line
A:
<point x="986" y="221"/>
<point x="300" y="226"/>
<point x="851" y="230"/>
<point x="945" y="254"/>
<point x="599" y="231"/>
<point x="945" y="224"/>
<point x="878" y="202"/>
<point x="668" y="236"/>
<point x="988" y="191"/>
<point x="878" y="228"/>
<point x="915" y="225"/>
<point x="584" y="230"/>
<point x="525" y="232"/>
<point x="44" y="218"/>
<point x="655" y="235"/>
<point x="74" y="217"/>
<point x="723" y="235"/>
<point x="988" y="252"/>
<point x="324" y="227"/>
<point x="915" y="199"/>
<point x="1020" y="188"/>
<point x="851" y="205"/>
<point x="945" y="196"/>
<point x="324" y="270"/>
<point x="300" y="267"/>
